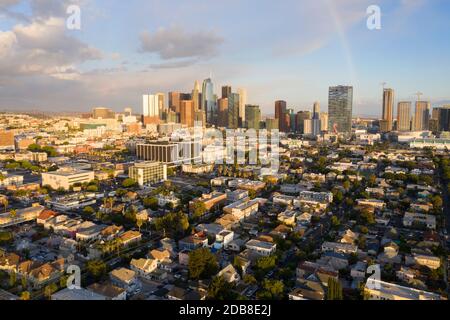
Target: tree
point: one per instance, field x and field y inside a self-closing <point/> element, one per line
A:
<point x="219" y="289"/>
<point x="12" y="279"/>
<point x="96" y="268"/>
<point x="335" y="222"/>
<point x="139" y="223"/>
<point x="92" y="188"/>
<point x="50" y="289"/>
<point x="151" y="202"/>
<point x="129" y="183"/>
<point x="202" y="264"/>
<point x="263" y="265"/>
<point x="334" y="291"/>
<point x="272" y="290"/>
<point x="249" y="279"/>
<point x="25" y="295"/>
<point x="34" y="147"/>
<point x="13" y="213"/>
<point x="174" y="223"/>
<point x="199" y="209"/>
<point x="88" y="210"/>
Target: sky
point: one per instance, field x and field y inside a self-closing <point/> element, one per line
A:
<point x="291" y="50"/>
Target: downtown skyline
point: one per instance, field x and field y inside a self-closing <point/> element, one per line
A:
<point x="46" y="67"/>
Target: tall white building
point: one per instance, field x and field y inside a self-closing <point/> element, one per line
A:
<point x="242" y="102"/>
<point x="150" y="105"/>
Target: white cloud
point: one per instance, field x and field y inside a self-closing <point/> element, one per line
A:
<point x="175" y="42"/>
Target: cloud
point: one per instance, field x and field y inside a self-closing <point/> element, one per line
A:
<point x="174" y="43"/>
<point x="42" y="47"/>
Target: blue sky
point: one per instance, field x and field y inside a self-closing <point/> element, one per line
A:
<point x="291" y="50"/>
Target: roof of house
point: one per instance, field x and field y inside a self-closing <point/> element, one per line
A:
<point x="106" y="289"/>
<point x="123" y="274"/>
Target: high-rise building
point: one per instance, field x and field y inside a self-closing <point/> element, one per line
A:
<point x="209" y="102"/>
<point x="444" y="118"/>
<point x="242" y="103"/>
<point x="323" y="121"/>
<point x="233" y="111"/>
<point x="421" y="116"/>
<point x="196" y="96"/>
<point x="150" y="105"/>
<point x="404" y="116"/>
<point x="226" y="92"/>
<point x="187" y="113"/>
<point x="388" y="109"/>
<point x="308" y="127"/>
<point x="316" y="122"/>
<point x="103" y="113"/>
<point x="340" y="108"/>
<point x="161" y="104"/>
<point x="174" y="101"/>
<point x="200" y="118"/>
<point x="280" y="114"/>
<point x="300" y="120"/>
<point x="316" y="110"/>
<point x="253" y="117"/>
<point x="272" y="124"/>
<point x="292" y="120"/>
<point x="222" y="119"/>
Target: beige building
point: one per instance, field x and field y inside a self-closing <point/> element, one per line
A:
<point x="148" y="172"/>
<point x="66" y="177"/>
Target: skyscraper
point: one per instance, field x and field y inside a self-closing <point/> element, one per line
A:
<point x="226" y="92"/>
<point x="242" y="103"/>
<point x="161" y="105"/>
<point x="404" y="116"/>
<point x="233" y="111"/>
<point x="222" y="119"/>
<point x="388" y="109"/>
<point x="174" y="101"/>
<point x="196" y="96"/>
<point x="444" y="118"/>
<point x="187" y="113"/>
<point x="316" y="110"/>
<point x="209" y="102"/>
<point x="323" y="121"/>
<point x="316" y="122"/>
<point x="150" y="105"/>
<point x="340" y="108"/>
<point x="300" y="120"/>
<point x="280" y="114"/>
<point x="253" y="117"/>
<point x="421" y="116"/>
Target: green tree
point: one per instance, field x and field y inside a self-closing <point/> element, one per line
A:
<point x="219" y="289"/>
<point x="25" y="295"/>
<point x="271" y="290"/>
<point x="50" y="289"/>
<point x="96" y="268"/>
<point x="202" y="264"/>
<point x="88" y="210"/>
<point x="129" y="183"/>
<point x="199" y="209"/>
<point x="334" y="291"/>
<point x="151" y="202"/>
